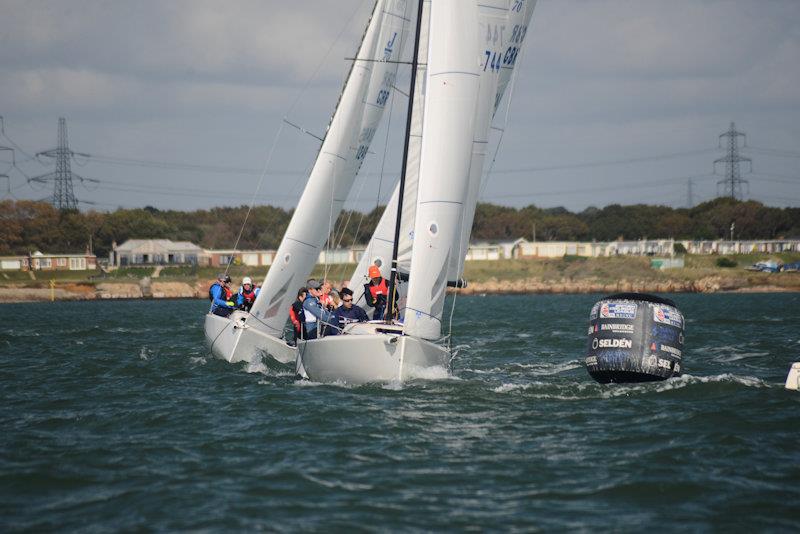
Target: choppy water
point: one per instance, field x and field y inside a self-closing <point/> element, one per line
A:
<point x="114" y="418"/>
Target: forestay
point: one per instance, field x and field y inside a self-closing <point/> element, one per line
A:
<point x="350" y="132"/>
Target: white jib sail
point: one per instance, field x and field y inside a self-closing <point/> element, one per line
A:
<point x="503" y="25"/>
<point x="447" y="133"/>
<point x="379" y="249"/>
<point x="352" y="127"/>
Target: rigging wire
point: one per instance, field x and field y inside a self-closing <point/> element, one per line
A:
<point x="324" y="59"/>
<point x="330" y="225"/>
<point x="255" y="193"/>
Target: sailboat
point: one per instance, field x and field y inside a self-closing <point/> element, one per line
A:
<point x="246" y="335"/>
<point x="468" y="50"/>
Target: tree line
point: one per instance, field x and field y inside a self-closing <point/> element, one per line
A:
<point x="26" y="226"/>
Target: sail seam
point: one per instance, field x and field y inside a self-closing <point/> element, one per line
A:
<point x="475" y="74"/>
<point x="440" y="202"/>
<point x="401" y="17"/>
<point x="335" y="155"/>
<point x="302" y="242"/>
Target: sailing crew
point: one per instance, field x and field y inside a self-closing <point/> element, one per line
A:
<point x="221" y="296"/>
<point x="298" y="317"/>
<point x="315" y="314"/>
<point x="246" y="295"/>
<point x="376" y="292"/>
<point x="349" y="312"/>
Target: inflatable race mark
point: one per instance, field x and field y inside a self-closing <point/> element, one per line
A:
<point x="634" y="337"/>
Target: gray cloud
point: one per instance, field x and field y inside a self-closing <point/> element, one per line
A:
<point x="208" y="82"/>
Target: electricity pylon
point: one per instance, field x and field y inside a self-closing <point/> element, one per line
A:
<point x="63" y="191"/>
<point x="733" y="180"/>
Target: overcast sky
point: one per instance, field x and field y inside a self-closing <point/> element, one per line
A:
<point x="178" y="102"/>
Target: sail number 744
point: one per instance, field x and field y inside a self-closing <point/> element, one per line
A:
<point x="495" y="60"/>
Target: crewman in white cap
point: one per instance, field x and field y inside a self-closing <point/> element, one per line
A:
<point x="247" y="295"/>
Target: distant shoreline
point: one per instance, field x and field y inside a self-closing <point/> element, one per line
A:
<point x="19" y="293"/>
<point x="567" y="275"/>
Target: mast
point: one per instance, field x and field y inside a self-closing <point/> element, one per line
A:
<point x="409" y="114"/>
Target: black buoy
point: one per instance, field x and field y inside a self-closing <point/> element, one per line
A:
<point x="634" y="337"/>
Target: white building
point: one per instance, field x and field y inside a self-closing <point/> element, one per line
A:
<point x="39" y="261"/>
<point x="154" y="252"/>
<point x="483" y="251"/>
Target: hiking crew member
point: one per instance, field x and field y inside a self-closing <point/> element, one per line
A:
<point x="247" y="295"/>
<point x="298" y="316"/>
<point x="376" y="292"/>
<point x="220" y="295"/>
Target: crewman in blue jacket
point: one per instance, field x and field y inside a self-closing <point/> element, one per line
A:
<point x="316" y="315"/>
<point x="220" y="295"/>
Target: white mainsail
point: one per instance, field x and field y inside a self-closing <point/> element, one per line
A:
<point x="351" y="130"/>
<point x="448" y="130"/>
<point x="379" y="249"/>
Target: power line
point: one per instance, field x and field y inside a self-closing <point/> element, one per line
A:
<point x="607" y="187"/>
<point x="173" y="165"/>
<point x="776" y="175"/>
<point x="604" y="163"/>
<point x="226" y="169"/>
<point x="779" y="199"/>
<point x="774" y="152"/>
<point x="777" y="180"/>
<point x="15" y="145"/>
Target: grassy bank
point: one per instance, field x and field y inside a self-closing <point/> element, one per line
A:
<point x="558" y="274"/>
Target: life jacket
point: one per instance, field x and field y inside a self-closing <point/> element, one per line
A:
<point x="380" y="288"/>
<point x="325" y="299"/>
<point x="296" y="314"/>
<point x="249" y="296"/>
<point x="225" y="290"/>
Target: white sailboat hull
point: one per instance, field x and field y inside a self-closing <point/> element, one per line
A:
<point x="233" y="340"/>
<point x="360" y="358"/>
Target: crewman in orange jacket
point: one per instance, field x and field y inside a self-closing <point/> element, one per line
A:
<point x="376" y="293"/>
